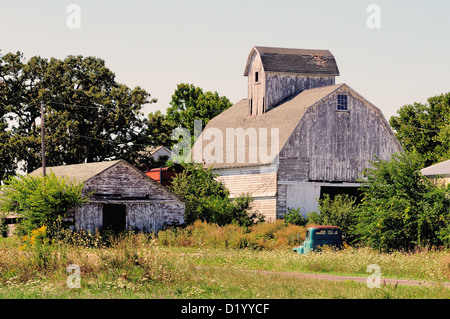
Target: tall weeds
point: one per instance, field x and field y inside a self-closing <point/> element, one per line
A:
<point x="259" y="236"/>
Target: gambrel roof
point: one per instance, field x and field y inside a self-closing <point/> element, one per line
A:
<point x="286" y="117"/>
<point x="297" y="61"/>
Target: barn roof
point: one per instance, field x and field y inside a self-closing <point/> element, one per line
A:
<point x="79" y="172"/>
<point x="442" y="168"/>
<point x="285" y="117"/>
<point x="300" y="61"/>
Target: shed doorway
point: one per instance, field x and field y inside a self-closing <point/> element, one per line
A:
<point x="114" y="217"/>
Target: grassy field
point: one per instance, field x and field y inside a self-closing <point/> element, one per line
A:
<point x="139" y="266"/>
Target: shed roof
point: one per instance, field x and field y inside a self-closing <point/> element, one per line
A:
<point x="442" y="168"/>
<point x="300" y="61"/>
<point x="87" y="171"/>
<point x="79" y="172"/>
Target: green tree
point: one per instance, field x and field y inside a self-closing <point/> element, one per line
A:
<point x="40" y="201"/>
<point x="401" y="208"/>
<point x="208" y="200"/>
<point x="89" y="116"/>
<point x="424" y="128"/>
<point x="294" y="216"/>
<point x="7" y="152"/>
<point x="159" y="129"/>
<point x="190" y="103"/>
<point x="338" y="211"/>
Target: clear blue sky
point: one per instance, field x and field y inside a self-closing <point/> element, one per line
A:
<point x="158" y="44"/>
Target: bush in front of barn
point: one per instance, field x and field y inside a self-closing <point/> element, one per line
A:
<point x="40" y="201"/>
<point x="401" y="208"/>
<point x="208" y="200"/>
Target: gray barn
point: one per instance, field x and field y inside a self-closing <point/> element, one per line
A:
<point x="325" y="133"/>
<point x="121" y="198"/>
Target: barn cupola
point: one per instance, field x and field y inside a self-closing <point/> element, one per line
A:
<point x="276" y="74"/>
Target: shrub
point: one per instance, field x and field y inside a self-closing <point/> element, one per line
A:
<point x="295" y="217"/>
<point x="40" y="201"/>
<point x="339" y="211"/>
<point x="208" y="200"/>
<point x="41" y="252"/>
<point x="401" y="208"/>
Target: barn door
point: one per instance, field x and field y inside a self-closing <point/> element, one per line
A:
<point x="114" y="217"/>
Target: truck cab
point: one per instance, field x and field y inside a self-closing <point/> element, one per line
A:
<point x="318" y="236"/>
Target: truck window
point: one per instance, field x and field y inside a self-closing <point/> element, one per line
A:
<point x="324" y="232"/>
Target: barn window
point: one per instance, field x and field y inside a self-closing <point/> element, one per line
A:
<point x="342" y="102"/>
<point x="256" y="77"/>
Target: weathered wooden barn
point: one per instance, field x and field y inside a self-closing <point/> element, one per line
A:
<point x="120" y="198"/>
<point x="297" y="136"/>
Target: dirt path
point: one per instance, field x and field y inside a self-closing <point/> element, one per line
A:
<point x="383" y="281"/>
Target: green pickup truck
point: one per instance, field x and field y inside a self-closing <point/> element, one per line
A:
<point x="319" y="236"/>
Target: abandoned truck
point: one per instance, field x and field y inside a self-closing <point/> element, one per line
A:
<point x="318" y="236"/>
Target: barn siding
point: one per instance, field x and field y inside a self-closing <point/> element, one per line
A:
<point x="261" y="184"/>
<point x="282" y="86"/>
<point x="148" y="205"/>
<point x="125" y="181"/>
<point x="335" y="146"/>
<point x="89" y="217"/>
<point x="332" y="146"/>
<point x="147" y="217"/>
<point x="266" y="206"/>
<point x="256" y="90"/>
<point x="144" y="216"/>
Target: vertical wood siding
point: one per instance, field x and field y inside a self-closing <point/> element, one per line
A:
<point x="334" y="146"/>
<point x="282" y="86"/>
<point x="148" y="206"/>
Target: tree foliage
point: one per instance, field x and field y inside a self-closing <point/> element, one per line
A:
<point x="425" y="128"/>
<point x="401" y="208"/>
<point x="89" y="115"/>
<point x="338" y="211"/>
<point x="190" y="103"/>
<point x="40" y="201"/>
<point x="208" y="200"/>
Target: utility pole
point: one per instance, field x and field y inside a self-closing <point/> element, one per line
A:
<point x="42" y="138"/>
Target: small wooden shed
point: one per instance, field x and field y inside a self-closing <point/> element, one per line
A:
<point x="121" y="197"/>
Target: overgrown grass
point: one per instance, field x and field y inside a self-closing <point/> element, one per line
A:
<point x="206" y="261"/>
<point x="261" y="236"/>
